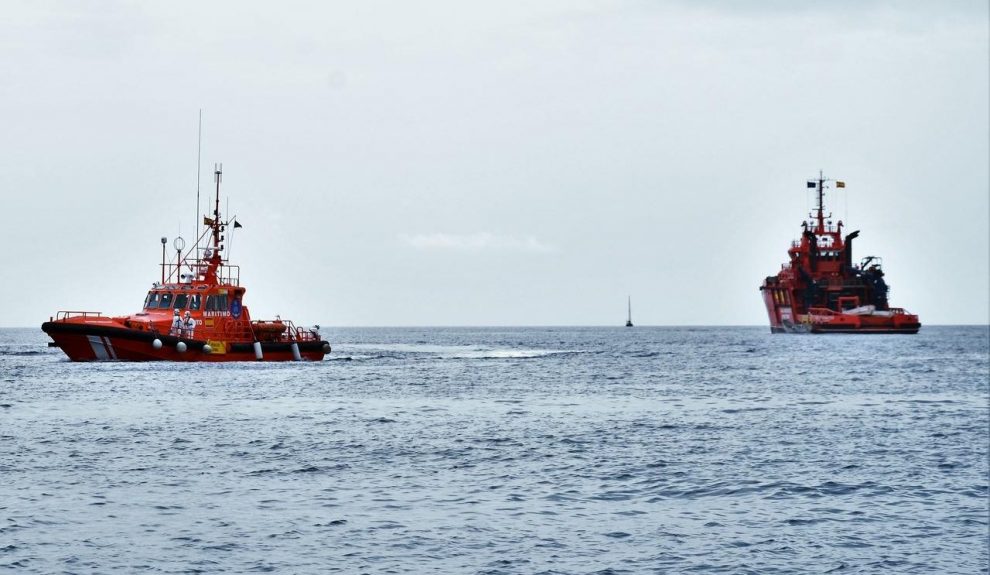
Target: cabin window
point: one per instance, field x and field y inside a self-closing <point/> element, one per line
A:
<point x="216" y="303"/>
<point x="194" y="301"/>
<point x="165" y="301"/>
<point x="180" y="301"/>
<point x="151" y="300"/>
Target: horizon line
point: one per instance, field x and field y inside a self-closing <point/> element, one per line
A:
<point x="445" y="326"/>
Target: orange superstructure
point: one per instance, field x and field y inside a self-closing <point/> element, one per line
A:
<point x="195" y="313"/>
<point x="821" y="290"/>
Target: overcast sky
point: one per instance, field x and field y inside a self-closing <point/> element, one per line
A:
<point x="499" y="163"/>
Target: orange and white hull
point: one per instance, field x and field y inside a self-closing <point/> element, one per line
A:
<point x="109" y="342"/>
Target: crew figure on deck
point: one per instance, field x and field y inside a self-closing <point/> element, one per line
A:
<point x="188" y="326"/>
<point x="176" y="323"/>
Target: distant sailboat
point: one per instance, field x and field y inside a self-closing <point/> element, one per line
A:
<point x="629" y="321"/>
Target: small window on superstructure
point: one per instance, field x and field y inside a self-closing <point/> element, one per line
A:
<point x="165" y="301"/>
<point x="180" y="301"/>
<point x="194" y="300"/>
<point x="152" y="300"/>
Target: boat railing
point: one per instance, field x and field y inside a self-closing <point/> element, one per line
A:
<point x="230" y="275"/>
<point x="295" y="333"/>
<point x="64" y="315"/>
<point x="291" y="333"/>
<point x="186" y="272"/>
<point x="302" y="333"/>
<point x="235" y="330"/>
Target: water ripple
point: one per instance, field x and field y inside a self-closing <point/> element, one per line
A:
<point x="550" y="450"/>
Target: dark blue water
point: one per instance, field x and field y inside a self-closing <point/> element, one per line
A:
<point x="515" y="450"/>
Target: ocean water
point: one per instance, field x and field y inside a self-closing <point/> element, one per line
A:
<point x="503" y="451"/>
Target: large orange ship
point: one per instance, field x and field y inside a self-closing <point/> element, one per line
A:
<point x="821" y="290"/>
<point x="195" y="313"/>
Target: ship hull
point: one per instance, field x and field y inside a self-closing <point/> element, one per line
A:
<point x="86" y="342"/>
<point x="784" y="319"/>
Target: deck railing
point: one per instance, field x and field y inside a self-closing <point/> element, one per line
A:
<point x="234" y="330"/>
<point x="228" y="274"/>
<point x="64" y="315"/>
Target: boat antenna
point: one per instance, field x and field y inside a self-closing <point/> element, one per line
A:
<point x="821" y="205"/>
<point x="230" y="240"/>
<point x="164" y="241"/>
<point x="199" y="157"/>
<point x="218" y="176"/>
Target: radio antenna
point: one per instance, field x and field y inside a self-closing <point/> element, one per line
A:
<point x="199" y="156"/>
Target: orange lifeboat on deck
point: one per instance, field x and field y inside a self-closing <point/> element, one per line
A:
<point x="269" y="330"/>
<point x="195" y="313"/>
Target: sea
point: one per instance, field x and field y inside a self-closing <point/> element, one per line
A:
<point x="531" y="450"/>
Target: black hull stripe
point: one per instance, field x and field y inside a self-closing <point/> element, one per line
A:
<point x="304" y="346"/>
<point x="868" y="331"/>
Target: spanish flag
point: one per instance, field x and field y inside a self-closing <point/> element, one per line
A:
<point x="207" y="221"/>
<point x="839" y="184"/>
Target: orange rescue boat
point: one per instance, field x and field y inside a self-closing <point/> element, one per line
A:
<point x="195" y="313"/>
<point x="821" y="290"/>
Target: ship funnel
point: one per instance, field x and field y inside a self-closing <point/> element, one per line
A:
<point x="848" y="247"/>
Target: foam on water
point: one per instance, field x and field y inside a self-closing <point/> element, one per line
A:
<point x="419" y="351"/>
<point x="505" y="451"/>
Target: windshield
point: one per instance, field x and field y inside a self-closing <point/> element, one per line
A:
<point x="151" y="300"/>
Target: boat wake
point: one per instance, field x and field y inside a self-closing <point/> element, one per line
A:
<point x="359" y="352"/>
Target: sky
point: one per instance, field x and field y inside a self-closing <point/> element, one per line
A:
<point x="493" y="163"/>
